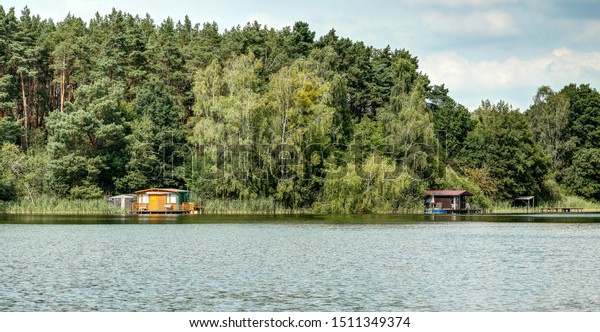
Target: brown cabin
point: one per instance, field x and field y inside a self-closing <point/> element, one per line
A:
<point x="447" y="200"/>
<point x="163" y="200"/>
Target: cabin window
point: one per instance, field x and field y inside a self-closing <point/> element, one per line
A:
<point x="172" y="199"/>
<point x="144" y="199"/>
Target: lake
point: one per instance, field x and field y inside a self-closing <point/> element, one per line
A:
<point x="300" y="263"/>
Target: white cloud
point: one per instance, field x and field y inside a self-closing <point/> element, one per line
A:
<point x="268" y="20"/>
<point x="86" y="10"/>
<point x="590" y="31"/>
<point x="476" y="80"/>
<point x="561" y="52"/>
<point x="488" y="22"/>
<point x="500" y="23"/>
<point x="460" y="3"/>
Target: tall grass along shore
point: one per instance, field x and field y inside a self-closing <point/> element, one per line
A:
<point x="565" y="202"/>
<point x="55" y="205"/>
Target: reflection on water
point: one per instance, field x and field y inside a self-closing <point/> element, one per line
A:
<point x="328" y="219"/>
<point x="302" y="263"/>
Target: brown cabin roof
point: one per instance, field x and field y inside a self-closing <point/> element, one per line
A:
<point x="167" y="190"/>
<point x="448" y="193"/>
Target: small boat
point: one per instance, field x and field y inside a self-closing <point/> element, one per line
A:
<point x="435" y="211"/>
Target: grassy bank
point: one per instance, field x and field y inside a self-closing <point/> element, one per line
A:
<point x="567" y="201"/>
<point x="269" y="206"/>
<point x="255" y="206"/>
<point x="55" y="205"/>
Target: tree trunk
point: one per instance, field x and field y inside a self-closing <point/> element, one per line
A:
<point x="36" y="101"/>
<point x="63" y="84"/>
<point x="283" y="169"/>
<point x="25" y="113"/>
<point x="52" y="101"/>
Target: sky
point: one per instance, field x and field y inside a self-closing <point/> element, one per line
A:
<point x="479" y="49"/>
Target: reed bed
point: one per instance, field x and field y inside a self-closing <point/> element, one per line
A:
<point x="566" y="202"/>
<point x="55" y="205"/>
<point x="253" y="206"/>
<point x="576" y="202"/>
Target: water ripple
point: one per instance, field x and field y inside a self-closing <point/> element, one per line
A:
<point x="300" y="267"/>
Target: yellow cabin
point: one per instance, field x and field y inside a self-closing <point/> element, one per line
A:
<point x="163" y="200"/>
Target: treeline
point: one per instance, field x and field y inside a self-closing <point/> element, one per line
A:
<point x="122" y="103"/>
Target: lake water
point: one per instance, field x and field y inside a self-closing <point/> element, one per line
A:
<point x="300" y="263"/>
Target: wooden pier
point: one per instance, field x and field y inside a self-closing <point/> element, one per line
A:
<point x="450" y="211"/>
<point x="561" y="209"/>
<point x="167" y="212"/>
<point x="466" y="211"/>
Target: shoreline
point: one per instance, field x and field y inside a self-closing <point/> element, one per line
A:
<point x="291" y="213"/>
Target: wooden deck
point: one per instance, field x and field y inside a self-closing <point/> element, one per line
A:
<point x="561" y="209"/>
<point x="466" y="211"/>
<point x="450" y="211"/>
<point x="185" y="208"/>
<point x="164" y="212"/>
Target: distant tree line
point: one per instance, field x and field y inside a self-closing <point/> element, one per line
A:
<point x="122" y="103"/>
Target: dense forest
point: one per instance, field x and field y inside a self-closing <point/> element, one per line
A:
<point x="121" y="103"/>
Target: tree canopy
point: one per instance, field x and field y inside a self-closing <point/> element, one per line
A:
<point x="121" y="103"/>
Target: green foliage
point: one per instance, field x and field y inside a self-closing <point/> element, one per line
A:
<point x="584" y="175"/>
<point x="301" y="39"/>
<point x="23" y="175"/>
<point x="10" y="130"/>
<point x="584" y="114"/>
<point x="551" y="192"/>
<point x="407" y="122"/>
<point x="229" y="123"/>
<point x="454" y="180"/>
<point x="10" y="160"/>
<point x="578" y="202"/>
<point x="143" y="162"/>
<point x="241" y="206"/>
<point x="156" y="144"/>
<point x="33" y="178"/>
<point x="85" y="144"/>
<point x="265" y="119"/>
<point x="375" y="187"/>
<point x="408" y="132"/>
<point x="581" y="141"/>
<point x="57" y="205"/>
<point x="85" y="192"/>
<point x="452" y="123"/>
<point x="299" y="102"/>
<point x="343" y="126"/>
<point x="549" y="116"/>
<point x="69" y="57"/>
<point x="502" y="143"/>
<point x="368" y="137"/>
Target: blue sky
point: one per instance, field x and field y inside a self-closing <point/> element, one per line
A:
<point x="481" y="49"/>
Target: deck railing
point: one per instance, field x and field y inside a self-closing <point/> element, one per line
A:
<point x="135" y="206"/>
<point x="561" y="209"/>
<point x="188" y="206"/>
